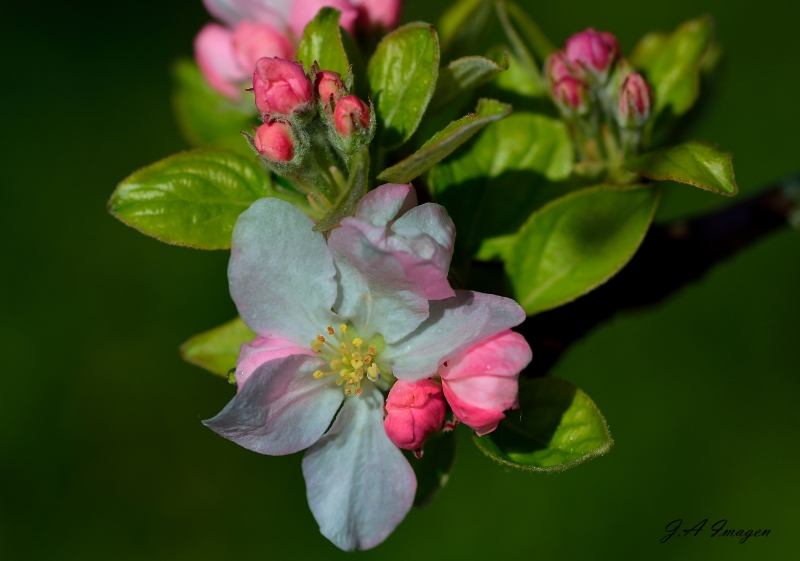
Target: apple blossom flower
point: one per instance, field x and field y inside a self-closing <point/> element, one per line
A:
<point x="338" y="321"/>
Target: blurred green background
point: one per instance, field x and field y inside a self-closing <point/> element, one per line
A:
<point x="102" y="454"/>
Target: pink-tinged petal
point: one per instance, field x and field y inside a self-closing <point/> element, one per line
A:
<point x="375" y="293"/>
<point x="213" y="51"/>
<point x="252" y="41"/>
<point x="359" y="485"/>
<point x="232" y="12"/>
<point x="413" y="411"/>
<point x="261" y="350"/>
<point x="423" y="242"/>
<point x="386" y="203"/>
<point x="281" y="409"/>
<point x="281" y="273"/>
<point x="281" y="86"/>
<point x="481" y="382"/>
<point x="303" y="11"/>
<point x="454" y="325"/>
<point x="378" y="13"/>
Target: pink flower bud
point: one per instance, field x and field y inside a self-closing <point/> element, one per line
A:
<point x="414" y="410"/>
<point x="378" y="13"/>
<point x="594" y="51"/>
<point x="329" y="85"/>
<point x="281" y="86"/>
<point x="303" y="11"/>
<point x="252" y="41"/>
<point x="274" y="140"/>
<point x="635" y="102"/>
<point x="572" y="95"/>
<point x="351" y="114"/>
<point x="557" y="67"/>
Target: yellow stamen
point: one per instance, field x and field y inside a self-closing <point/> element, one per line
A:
<point x="318" y="374"/>
<point x="357" y="343"/>
<point x="320" y="338"/>
<point x="316" y="346"/>
<point x="367" y="359"/>
<point x="343" y="328"/>
<point x="355" y="363"/>
<point x="372" y="350"/>
<point x="330" y="330"/>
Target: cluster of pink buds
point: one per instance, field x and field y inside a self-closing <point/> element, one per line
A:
<point x="289" y="99"/>
<point x="594" y="87"/>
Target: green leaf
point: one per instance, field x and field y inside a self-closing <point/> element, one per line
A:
<point x="577" y="242"/>
<point x="216" y="350"/>
<point x="402" y="78"/>
<point x="322" y="42"/>
<point x="445" y="142"/>
<point x="463" y="23"/>
<point x="433" y="469"/>
<point x="556" y="427"/>
<point x="207" y="118"/>
<point x="355" y="189"/>
<point x="694" y="163"/>
<point x="463" y="75"/>
<point x="192" y="198"/>
<point x="516" y="79"/>
<point x="521" y="49"/>
<point x="513" y="167"/>
<point x="673" y="64"/>
<point x="648" y="49"/>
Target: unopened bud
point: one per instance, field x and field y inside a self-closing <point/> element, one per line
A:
<point x="274" y="141"/>
<point x="557" y="67"/>
<point x="329" y="86"/>
<point x="413" y="411"/>
<point x="635" y="102"/>
<point x="572" y="96"/>
<point x="351" y="115"/>
<point x="593" y="51"/>
<point x="281" y="87"/>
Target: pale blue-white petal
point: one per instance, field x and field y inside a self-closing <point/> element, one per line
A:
<point x="375" y="293"/>
<point x="232" y="12"/>
<point x="386" y="203"/>
<point x="454" y="325"/>
<point x="359" y="484"/>
<point x="281" y="408"/>
<point x="281" y="273"/>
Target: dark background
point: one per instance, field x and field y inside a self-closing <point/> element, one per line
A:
<point x="102" y="454"/>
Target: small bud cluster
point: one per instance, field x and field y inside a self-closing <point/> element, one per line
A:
<point x="312" y="126"/>
<point x="599" y="94"/>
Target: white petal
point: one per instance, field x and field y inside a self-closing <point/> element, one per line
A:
<point x="232" y="12"/>
<point x="281" y="273"/>
<point x="359" y="484"/>
<point x="454" y="325"/>
<point x="375" y="292"/>
<point x="281" y="408"/>
<point x="382" y="205"/>
<point x="430" y="219"/>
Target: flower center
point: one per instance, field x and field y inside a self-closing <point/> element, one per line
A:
<point x="346" y="360"/>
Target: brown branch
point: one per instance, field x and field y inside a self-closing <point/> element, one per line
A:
<point x="670" y="257"/>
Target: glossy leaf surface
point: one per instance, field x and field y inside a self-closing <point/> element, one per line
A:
<point x="556" y="427"/>
<point x="576" y="243"/>
<point x="695" y="163"/>
<point x="216" y="350"/>
<point x="445" y="142"/>
<point x="402" y="77"/>
<point x="192" y="198"/>
<point x="513" y="167"/>
<point x="322" y="42"/>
